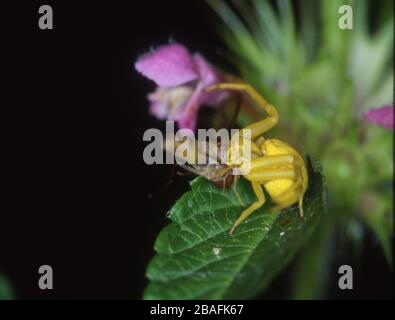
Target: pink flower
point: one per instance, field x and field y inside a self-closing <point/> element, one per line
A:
<point x="181" y="79"/>
<point x="383" y="116"/>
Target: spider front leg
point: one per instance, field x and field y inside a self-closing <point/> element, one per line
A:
<point x="260" y="127"/>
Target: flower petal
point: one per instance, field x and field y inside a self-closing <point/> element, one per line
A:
<point x="189" y="115"/>
<point x="159" y="110"/>
<point x="168" y="66"/>
<point x="383" y="116"/>
<point x="208" y="76"/>
<point x="169" y="103"/>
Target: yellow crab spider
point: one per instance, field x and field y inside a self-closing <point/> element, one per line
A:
<point x="275" y="165"/>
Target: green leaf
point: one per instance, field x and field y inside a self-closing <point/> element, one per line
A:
<point x="6" y="292"/>
<point x="197" y="259"/>
<point x="314" y="263"/>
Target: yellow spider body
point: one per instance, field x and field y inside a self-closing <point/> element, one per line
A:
<point x="274" y="165"/>
<point x="277" y="187"/>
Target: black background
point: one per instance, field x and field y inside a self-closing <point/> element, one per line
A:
<point x="76" y="187"/>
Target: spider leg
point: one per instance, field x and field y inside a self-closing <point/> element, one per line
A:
<point x="257" y="187"/>
<point x="234" y="188"/>
<point x="259" y="141"/>
<point x="271" y="167"/>
<point x="260" y="127"/>
<point x="264" y="175"/>
<point x="272" y="161"/>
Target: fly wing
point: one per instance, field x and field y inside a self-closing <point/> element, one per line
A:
<point x="212" y="172"/>
<point x="211" y="169"/>
<point x="193" y="151"/>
